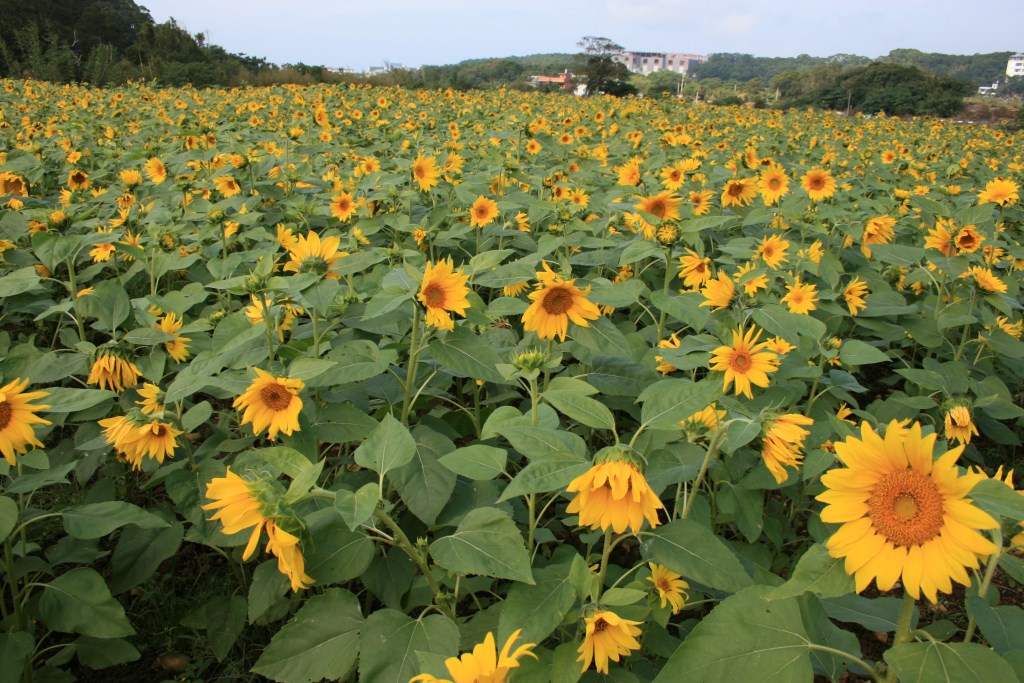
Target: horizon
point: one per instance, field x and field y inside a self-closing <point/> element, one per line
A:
<point x="495" y="31"/>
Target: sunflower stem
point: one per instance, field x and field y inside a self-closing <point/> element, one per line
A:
<point x="664" y="289"/>
<point x="402" y="541"/>
<point x="904" y="631"/>
<point x="986" y="581"/>
<point x="711" y="454"/>
<point x="602" y="570"/>
<point x="410" y="373"/>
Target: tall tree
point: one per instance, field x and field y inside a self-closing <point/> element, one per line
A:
<point x="603" y="74"/>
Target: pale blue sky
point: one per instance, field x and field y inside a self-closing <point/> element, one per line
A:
<point x="358" y="34"/>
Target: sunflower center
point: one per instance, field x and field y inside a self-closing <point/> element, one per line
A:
<point x="276" y="397"/>
<point x="735" y="190"/>
<point x="600" y="625"/>
<point x="816" y="183"/>
<point x="557" y="301"/>
<point x="741" y="361"/>
<point x="657" y="208"/>
<point x="906" y="508"/>
<point x="774" y="184"/>
<point x="663" y="584"/>
<point x="5" y="415"/>
<point x="434" y="296"/>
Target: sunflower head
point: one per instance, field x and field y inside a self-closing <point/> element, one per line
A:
<point x="271" y="403"/>
<point x="614" y="494"/>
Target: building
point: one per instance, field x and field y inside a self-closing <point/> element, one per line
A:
<point x="648" y="62"/>
<point x="562" y="80"/>
<point x="1015" y="65"/>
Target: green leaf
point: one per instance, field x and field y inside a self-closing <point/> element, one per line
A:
<point x="389" y="446"/>
<point x="321" y="294"/>
<point x="640" y="249"/>
<point x="536" y="442"/>
<point x="64" y="400"/>
<point x="856" y="352"/>
<point x="778" y="321"/>
<point x="8" y="517"/>
<point x="14" y="648"/>
<point x="95" y="520"/>
<point x="357" y="507"/>
<point x="267" y="587"/>
<point x="1003" y="627"/>
<point x="320" y="641"/>
<point x="139" y="553"/>
<point x="283" y="459"/>
<point x="304" y="481"/>
<point x="101" y="653"/>
<point x="877" y="614"/>
<point x="816" y="573"/>
<point x="668" y="401"/>
<point x="19" y="281"/>
<point x="691" y="549"/>
<point x="79" y="602"/>
<point x="147" y="336"/>
<point x="225" y="619"/>
<point x="342" y="423"/>
<point x="745" y="638"/>
<point x="307" y="369"/>
<point x="998" y="499"/>
<point x="355" y="361"/>
<point x="466" y="355"/>
<point x="390" y="640"/>
<point x="583" y="409"/>
<point x="487" y="543"/>
<point x="537" y="609"/>
<point x="935" y="662"/>
<point x="620" y="597"/>
<point x="425" y="484"/>
<point x="477" y="462"/>
<point x="549" y="472"/>
<point x="197" y="415"/>
<point x="336" y="553"/>
<point x="385" y="300"/>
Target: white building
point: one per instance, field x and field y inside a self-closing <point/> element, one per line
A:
<point x="648" y="62"/>
<point x="1015" y="65"/>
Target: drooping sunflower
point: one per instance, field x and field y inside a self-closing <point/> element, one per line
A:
<point x="156" y="440"/>
<point x="780" y="446"/>
<point x="608" y="636"/>
<point x="425" y="172"/>
<point x="773" y="184"/>
<point x="959" y="425"/>
<point x="238" y="507"/>
<point x="697" y="426"/>
<point x="177" y="348"/>
<point x="739" y="192"/>
<point x="290" y="562"/>
<point x="671" y="343"/>
<point x="343" y="206"/>
<point x="904" y="514"/>
<point x="670" y="586"/>
<point x="555" y="303"/>
<point x="701" y="201"/>
<point x="485" y="664"/>
<point x="746" y="362"/>
<point x="482" y="212"/>
<point x="772" y="251"/>
<point x="879" y="230"/>
<point x="800" y="297"/>
<point x="111" y="370"/>
<point x="1001" y="191"/>
<point x="155" y="171"/>
<point x="17" y="415"/>
<point x="664" y="205"/>
<point x="150" y="403"/>
<point x="818" y="183"/>
<point x="443" y="290"/>
<point x="271" y="403"/>
<point x="615" y="495"/>
<point x="313" y="254"/>
<point x="719" y="292"/>
<point x="854" y="295"/>
<point x="227" y="186"/>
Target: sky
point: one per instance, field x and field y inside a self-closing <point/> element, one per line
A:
<point x="358" y="34"/>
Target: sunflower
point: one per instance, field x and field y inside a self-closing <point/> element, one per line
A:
<point x="285" y="547"/>
<point x="17" y="417"/>
<point x="1001" y="191"/>
<point x="854" y="295"/>
<point x="177" y="348"/>
<point x="150" y="403"/>
<point x="739" y="192"/>
<point x="285" y="237"/>
<point x="271" y="402"/>
<point x="313" y="254"/>
<point x="130" y="177"/>
<point x="781" y="443"/>
<point x="959" y="425"/>
<point x="608" y="636"/>
<point x="670" y="586"/>
<point x="485" y="664"/>
<point x="746" y="362"/>
<point x="877" y="231"/>
<point x="155" y="171"/>
<point x="343" y="206"/>
<point x="773" y="184"/>
<point x="818" y="183"/>
<point x="102" y="252"/>
<point x="482" y="212"/>
<point x="772" y="251"/>
<point x="904" y="514"/>
<point x="800" y="297"/>
<point x="719" y="292"/>
<point x="968" y="240"/>
<point x="238" y="507"/>
<point x="78" y="180"/>
<point x="986" y="279"/>
<point x="664" y="205"/>
<point x="629" y="172"/>
<point x="156" y="439"/>
<point x="701" y="201"/>
<point x="443" y="289"/>
<point x="614" y="495"/>
<point x="227" y="186"/>
<point x="113" y="371"/>
<point x="555" y="303"/>
<point x="939" y="238"/>
<point x="671" y="343"/>
<point x="673" y="177"/>
<point x="425" y="172"/>
<point x="515" y="289"/>
<point x="694" y="269"/>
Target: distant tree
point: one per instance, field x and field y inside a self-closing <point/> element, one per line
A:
<point x="658" y="83"/>
<point x="601" y="73"/>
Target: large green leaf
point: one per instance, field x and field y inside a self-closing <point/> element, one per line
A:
<point x="139" y="553"/>
<point x="1003" y="627"/>
<point x="95" y="520"/>
<point x="816" y="572"/>
<point x="267" y="587"/>
<point x="745" y="638"/>
<point x="225" y="619"/>
<point x="487" y="543"/>
<point x="320" y="641"/>
<point x="668" y="401"/>
<point x="14" y="648"/>
<point x="335" y="553"/>
<point x="998" y="499"/>
<point x="537" y="609"/>
<point x="936" y="662"/>
<point x="778" y="321"/>
<point x="425" y="484"/>
<point x="478" y="462"/>
<point x="8" y="517"/>
<point x="693" y="550"/>
<point x="389" y="446"/>
<point x="549" y="472"/>
<point x="80" y="602"/>
<point x="585" y="410"/>
<point x="467" y="355"/>
<point x="390" y="640"/>
<point x="65" y="400"/>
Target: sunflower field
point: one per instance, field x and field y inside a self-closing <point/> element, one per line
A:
<point x="344" y="383"/>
